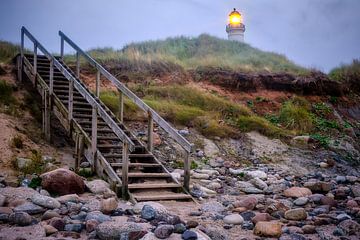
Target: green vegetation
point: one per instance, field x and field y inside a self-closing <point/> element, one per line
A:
<point x="256" y="123"/>
<point x="8" y="51"/>
<point x="323" y="140"/>
<point x="181" y="53"/>
<point x="295" y="115"/>
<point x="346" y="72"/>
<point x="36" y="166"/>
<point x="8" y="103"/>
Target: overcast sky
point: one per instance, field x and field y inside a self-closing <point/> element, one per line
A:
<point x="313" y="33"/>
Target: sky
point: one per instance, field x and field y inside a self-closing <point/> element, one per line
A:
<point x="313" y="33"/>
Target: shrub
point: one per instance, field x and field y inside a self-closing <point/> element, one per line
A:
<point x="8" y="51"/>
<point x="296" y="116"/>
<point x="261" y="125"/>
<point x="6" y="93"/>
<point x="212" y="127"/>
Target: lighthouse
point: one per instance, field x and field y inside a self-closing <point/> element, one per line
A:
<point x="235" y="27"/>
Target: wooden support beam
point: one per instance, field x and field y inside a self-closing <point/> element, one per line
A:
<point x="62" y="48"/>
<point x="98" y="83"/>
<point x="35" y="60"/>
<point x="51" y="88"/>
<point x="21" y="56"/>
<point x="77" y="65"/>
<point x="125" y="171"/>
<point x="187" y="164"/>
<point x="121" y="107"/>
<point x="71" y="100"/>
<point x="94" y="123"/>
<point x="150" y="144"/>
<point x="79" y="150"/>
<point x="46" y="114"/>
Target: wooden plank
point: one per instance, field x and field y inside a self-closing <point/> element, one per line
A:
<point x="153" y="185"/>
<point x="94" y="134"/>
<point x="97" y="90"/>
<point x="155" y="197"/>
<point x="77" y="65"/>
<point x="148" y="175"/>
<point x="121" y="107"/>
<point x="145" y="165"/>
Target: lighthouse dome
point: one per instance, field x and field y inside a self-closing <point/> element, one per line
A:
<point x="235" y="17"/>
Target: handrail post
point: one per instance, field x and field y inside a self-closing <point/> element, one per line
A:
<point x="51" y="78"/>
<point x="21" y="55"/>
<point x="150" y="141"/>
<point x="71" y="99"/>
<point x="121" y="107"/>
<point x="125" y="170"/>
<point x="94" y="135"/>
<point x="35" y="60"/>
<point x="98" y="83"/>
<point x="77" y="64"/>
<point x="46" y="114"/>
<point x="187" y="165"/>
<point x="62" y="48"/>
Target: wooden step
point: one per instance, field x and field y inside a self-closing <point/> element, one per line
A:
<point x="131" y="155"/>
<point x="144" y="165"/>
<point x="102" y="146"/>
<point x="148" y="175"/>
<point x="153" y="185"/>
<point x="155" y="197"/>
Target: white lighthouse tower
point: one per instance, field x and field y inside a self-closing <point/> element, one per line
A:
<point x="235" y="28"/>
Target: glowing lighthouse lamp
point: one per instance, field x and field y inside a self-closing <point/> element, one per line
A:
<point x="235" y="27"/>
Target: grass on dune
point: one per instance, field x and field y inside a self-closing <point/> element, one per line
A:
<point x="8" y="51"/>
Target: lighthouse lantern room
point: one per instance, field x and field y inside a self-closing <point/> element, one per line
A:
<point x="235" y="27"/>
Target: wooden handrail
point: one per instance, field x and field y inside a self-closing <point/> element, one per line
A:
<point x="81" y="89"/>
<point x="123" y="89"/>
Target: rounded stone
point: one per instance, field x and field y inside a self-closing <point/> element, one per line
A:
<point x="148" y="212"/>
<point x="164" y="231"/>
<point x="45" y="201"/>
<point x="189" y="235"/>
<point x="296" y="192"/>
<point x="20" y="218"/>
<point x="268" y="229"/>
<point x="235" y="219"/>
<point x="108" y="205"/>
<point x="296" y="214"/>
<point x="49" y="214"/>
<point x="179" y="228"/>
<point x="301" y="201"/>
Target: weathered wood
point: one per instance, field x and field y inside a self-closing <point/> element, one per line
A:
<point x="153" y="185"/>
<point x="79" y="150"/>
<point x="77" y="65"/>
<point x="187" y="165"/>
<point x="150" y="144"/>
<point x="51" y="79"/>
<point x="71" y="100"/>
<point x="157" y="197"/>
<point x="46" y="115"/>
<point x="121" y="107"/>
<point x="21" y="55"/>
<point x="125" y="170"/>
<point x="94" y="135"/>
<point x="98" y="83"/>
<point x="121" y="87"/>
<point x="62" y="49"/>
<point x="35" y="59"/>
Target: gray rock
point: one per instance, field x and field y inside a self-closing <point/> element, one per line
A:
<point x="20" y="218"/>
<point x="189" y="235"/>
<point x="256" y="174"/>
<point x="247" y="187"/>
<point x="235" y="219"/>
<point x="16" y="233"/>
<point x="50" y="214"/>
<point x="214" y="207"/>
<point x="340" y="179"/>
<point x="350" y="227"/>
<point x="179" y="228"/>
<point x="29" y="208"/>
<point x="97" y="186"/>
<point x="257" y="182"/>
<point x="22" y="163"/>
<point x="76" y="227"/>
<point x="164" y="231"/>
<point x="184" y="132"/>
<point x="85" y="165"/>
<point x="44" y="193"/>
<point x="356" y="190"/>
<point x="81" y="216"/>
<point x="98" y="216"/>
<point x="341" y="217"/>
<point x="148" y="212"/>
<point x="301" y="201"/>
<point x="216" y="233"/>
<point x="114" y="230"/>
<point x="45" y="201"/>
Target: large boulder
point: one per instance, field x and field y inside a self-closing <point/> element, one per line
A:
<point x="62" y="181"/>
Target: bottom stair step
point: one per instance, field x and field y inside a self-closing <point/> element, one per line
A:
<point x="155" y="197"/>
<point x="147" y="175"/>
<point x="153" y="185"/>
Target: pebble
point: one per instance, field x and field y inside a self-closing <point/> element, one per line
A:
<point x="49" y="229"/>
<point x="235" y="219"/>
<point x="77" y="227"/>
<point x="164" y="231"/>
<point x="20" y="218"/>
<point x="296" y="214"/>
<point x="29" y="208"/>
<point x="98" y="216"/>
<point x="108" y="205"/>
<point x="189" y="235"/>
<point x="148" y="212"/>
<point x="340" y="179"/>
<point x="179" y="228"/>
<point x="296" y="192"/>
<point x="301" y="201"/>
<point x="49" y="214"/>
<point x="268" y="229"/>
<point x="45" y="201"/>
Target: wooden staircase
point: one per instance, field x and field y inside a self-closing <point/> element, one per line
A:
<point x="100" y="137"/>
